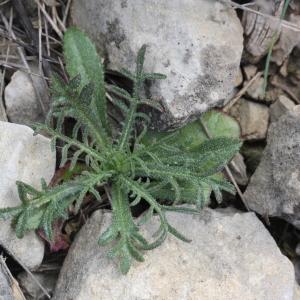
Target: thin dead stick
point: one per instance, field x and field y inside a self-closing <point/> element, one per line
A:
<point x="59" y="21"/>
<point x="2" y="108"/>
<point x="52" y="23"/>
<point x="66" y="12"/>
<point x="287" y="90"/>
<point x="46" y="34"/>
<point x="20" y="67"/>
<point x="12" y="281"/>
<point x="14" y="57"/>
<point x="31" y="275"/>
<point x="40" y="41"/>
<point x="241" y="93"/>
<point x="63" y="69"/>
<point x="4" y="2"/>
<point x="227" y="170"/>
<point x="283" y="23"/>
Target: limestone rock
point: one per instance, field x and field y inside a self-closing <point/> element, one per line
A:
<point x="280" y="107"/>
<point x="250" y="71"/>
<point x="231" y="256"/>
<point x="256" y="89"/>
<point x="239" y="79"/>
<point x="26" y="158"/>
<point x="6" y="292"/>
<point x="253" y="118"/>
<point x="274" y="188"/>
<point x="196" y="43"/>
<point x="22" y="103"/>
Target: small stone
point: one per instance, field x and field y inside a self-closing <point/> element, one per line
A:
<point x="274" y="188"/>
<point x="239" y="79"/>
<point x="250" y="71"/>
<point x="196" y="43"/>
<point x="280" y="107"/>
<point x="31" y="290"/>
<point x="238" y="168"/>
<point x="256" y="89"/>
<point x="26" y="158"/>
<point x="231" y="256"/>
<point x="252" y="117"/>
<point x="22" y="104"/>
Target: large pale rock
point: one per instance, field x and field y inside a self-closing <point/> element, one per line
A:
<point x="196" y="43"/>
<point x="26" y="158"/>
<point x="232" y="256"/>
<point x="274" y="188"/>
<point x="26" y="99"/>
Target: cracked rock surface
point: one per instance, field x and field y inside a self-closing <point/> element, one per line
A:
<point x="231" y="256"/>
<point x="197" y="44"/>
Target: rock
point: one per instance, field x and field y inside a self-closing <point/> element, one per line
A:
<point x="280" y="107"/>
<point x="232" y="256"/>
<point x="296" y="263"/>
<point x="239" y="79"/>
<point x="250" y="71"/>
<point x="274" y="189"/>
<point x="253" y="118"/>
<point x="21" y="101"/>
<point x="26" y="158"/>
<point x="31" y="290"/>
<point x="238" y="169"/>
<point x="256" y="89"/>
<point x="297" y="292"/>
<point x="288" y="40"/>
<point x="196" y="43"/>
<point x="259" y="30"/>
<point x="6" y="293"/>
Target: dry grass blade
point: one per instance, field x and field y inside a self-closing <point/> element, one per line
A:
<point x="66" y="12"/>
<point x="3" y="115"/>
<point x="49" y="19"/>
<point x="32" y="276"/>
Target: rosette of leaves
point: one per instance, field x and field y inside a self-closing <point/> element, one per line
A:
<point x="133" y="165"/>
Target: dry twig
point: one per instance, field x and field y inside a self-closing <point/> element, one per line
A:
<point x="241" y="93"/>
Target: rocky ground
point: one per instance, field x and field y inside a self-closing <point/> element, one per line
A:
<point x="214" y="54"/>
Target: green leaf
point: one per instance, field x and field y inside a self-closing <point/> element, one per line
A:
<point x="221" y="125"/>
<point x="192" y="135"/>
<point x="82" y="59"/>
